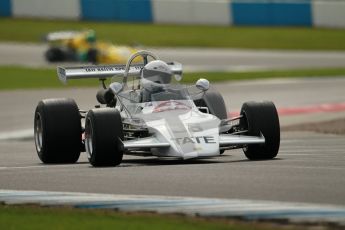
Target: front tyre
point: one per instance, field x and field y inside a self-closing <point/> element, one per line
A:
<point x="57" y="131"/>
<point x="55" y="54"/>
<point x="103" y="135"/>
<point x="261" y="118"/>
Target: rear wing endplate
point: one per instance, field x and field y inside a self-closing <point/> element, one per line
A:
<point x="106" y="71"/>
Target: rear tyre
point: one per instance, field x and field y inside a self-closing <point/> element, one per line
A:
<point x="214" y="102"/>
<point x="57" y="131"/>
<point x="92" y="55"/>
<point x="55" y="54"/>
<point x="261" y="118"/>
<point x="103" y="135"/>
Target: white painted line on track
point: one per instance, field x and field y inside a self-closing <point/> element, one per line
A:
<point x="17" y="135"/>
<point x="32" y="167"/>
<point x="207" y="207"/>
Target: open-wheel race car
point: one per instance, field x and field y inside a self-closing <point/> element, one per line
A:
<point x="82" y="46"/>
<point x="143" y="112"/>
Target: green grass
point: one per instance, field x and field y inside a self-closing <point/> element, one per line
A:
<point x="36" y="218"/>
<point x="13" y="77"/>
<point x="300" y="38"/>
<point x="255" y="75"/>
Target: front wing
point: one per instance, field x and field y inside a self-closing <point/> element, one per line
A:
<point x="225" y="140"/>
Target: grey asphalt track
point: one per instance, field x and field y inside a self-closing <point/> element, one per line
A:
<point x="310" y="167"/>
<point x="197" y="59"/>
<point x="17" y="107"/>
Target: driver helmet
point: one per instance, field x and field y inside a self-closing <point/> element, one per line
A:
<point x="90" y="36"/>
<point x="155" y="74"/>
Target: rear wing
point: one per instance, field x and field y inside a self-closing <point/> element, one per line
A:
<point x="106" y="71"/>
<point x="61" y="35"/>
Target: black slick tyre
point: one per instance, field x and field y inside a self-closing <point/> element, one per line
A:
<point x="57" y="131"/>
<point x="103" y="135"/>
<point x="261" y="118"/>
<point x="92" y="55"/>
<point x="54" y="54"/>
<point x="214" y="102"/>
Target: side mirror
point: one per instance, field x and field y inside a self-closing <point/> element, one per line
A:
<point x="202" y="84"/>
<point x="116" y="87"/>
<point x="178" y="77"/>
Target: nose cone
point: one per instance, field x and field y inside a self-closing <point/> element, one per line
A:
<point x="191" y="134"/>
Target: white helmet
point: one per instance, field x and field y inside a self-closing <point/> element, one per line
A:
<point x="156" y="72"/>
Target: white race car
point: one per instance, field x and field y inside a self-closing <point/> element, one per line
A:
<point x="143" y="112"/>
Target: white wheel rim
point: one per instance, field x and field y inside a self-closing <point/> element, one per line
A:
<point x="38" y="132"/>
<point x="88" y="139"/>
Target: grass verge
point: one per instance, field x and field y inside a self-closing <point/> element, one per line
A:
<point x="300" y="38"/>
<point x="13" y="77"/>
<point x="36" y="218"/>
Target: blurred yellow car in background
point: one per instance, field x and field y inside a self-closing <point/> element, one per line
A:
<point x="82" y="46"/>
